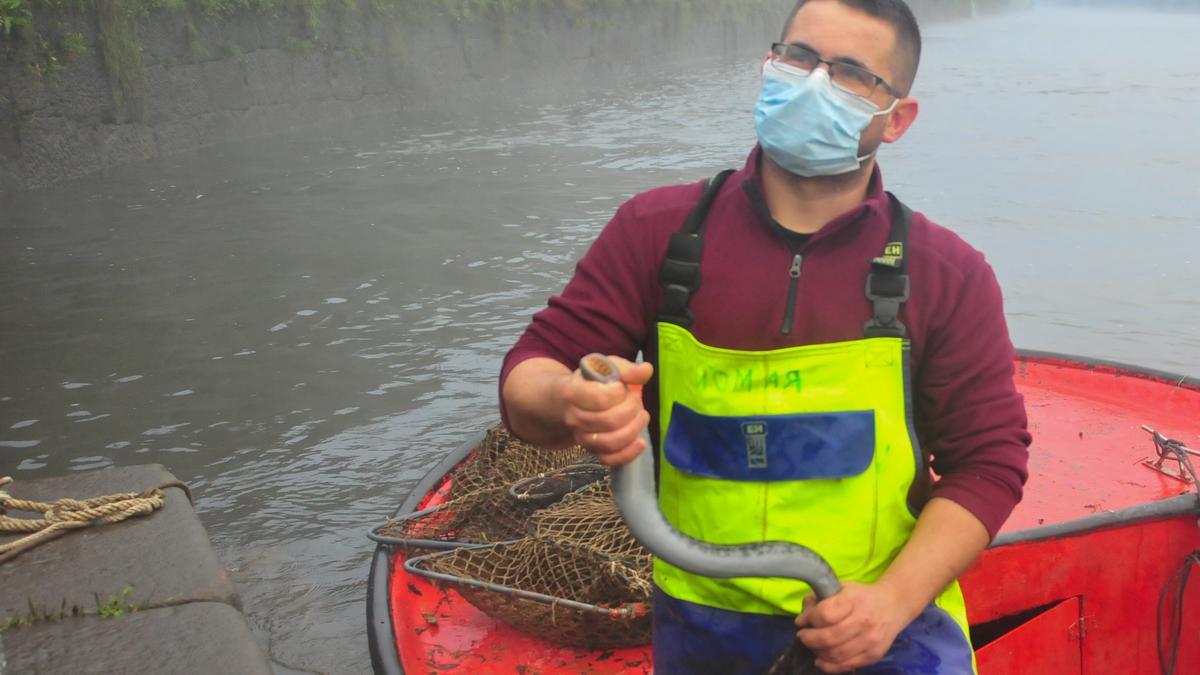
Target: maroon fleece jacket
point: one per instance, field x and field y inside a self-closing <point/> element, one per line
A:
<point x="969" y="416"/>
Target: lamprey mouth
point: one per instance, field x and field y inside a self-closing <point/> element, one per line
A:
<point x="599" y="368"/>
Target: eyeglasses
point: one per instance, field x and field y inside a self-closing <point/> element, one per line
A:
<point x="847" y="76"/>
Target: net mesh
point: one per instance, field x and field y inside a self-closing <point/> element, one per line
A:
<point x="554" y="530"/>
<point x="481" y="508"/>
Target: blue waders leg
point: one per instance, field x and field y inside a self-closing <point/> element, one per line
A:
<point x="691" y="638"/>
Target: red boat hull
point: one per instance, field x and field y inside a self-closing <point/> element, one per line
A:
<point x="1071" y="586"/>
<point x="1096" y="598"/>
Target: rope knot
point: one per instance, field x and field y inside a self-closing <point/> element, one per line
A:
<point x="67" y="514"/>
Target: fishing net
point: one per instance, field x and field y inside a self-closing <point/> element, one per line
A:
<point x="558" y="561"/>
<point x="482" y="507"/>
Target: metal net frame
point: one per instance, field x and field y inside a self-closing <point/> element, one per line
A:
<point x="533" y="537"/>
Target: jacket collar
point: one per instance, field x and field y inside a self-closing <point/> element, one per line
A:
<point x="875" y="207"/>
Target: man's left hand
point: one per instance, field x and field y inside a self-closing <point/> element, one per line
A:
<point x="854" y="628"/>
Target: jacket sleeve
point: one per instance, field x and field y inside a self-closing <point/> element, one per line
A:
<point x="606" y="307"/>
<point x="970" y="416"/>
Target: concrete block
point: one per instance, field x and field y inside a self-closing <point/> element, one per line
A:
<point x="310" y="76"/>
<point x="265" y="120"/>
<point x="82" y="89"/>
<point x="124" y="143"/>
<point x="188" y="91"/>
<point x="376" y="79"/>
<point x="165" y="558"/>
<point x="275" y="29"/>
<point x="164" y="38"/>
<point x="190" y="133"/>
<point x="346" y="76"/>
<point x="269" y="76"/>
<point x="10" y="148"/>
<point x="237" y="32"/>
<point x="28" y="92"/>
<point x="204" y="637"/>
<point x="53" y="149"/>
<point x="377" y="107"/>
<point x="160" y="104"/>
<point x="322" y="112"/>
<point x="226" y="83"/>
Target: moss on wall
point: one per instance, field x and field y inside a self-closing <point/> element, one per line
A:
<point x="123" y="56"/>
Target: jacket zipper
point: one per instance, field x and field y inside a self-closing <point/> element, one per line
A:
<point x="793" y="286"/>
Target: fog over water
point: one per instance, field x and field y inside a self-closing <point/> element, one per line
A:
<point x="302" y="328"/>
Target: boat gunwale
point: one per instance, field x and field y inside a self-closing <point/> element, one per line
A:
<point x="1161" y="509"/>
<point x="1090" y="363"/>
<point x="381" y="637"/>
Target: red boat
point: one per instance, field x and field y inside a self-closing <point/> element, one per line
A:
<point x="1090" y="574"/>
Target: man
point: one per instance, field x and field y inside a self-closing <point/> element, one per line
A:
<point x="789" y="404"/>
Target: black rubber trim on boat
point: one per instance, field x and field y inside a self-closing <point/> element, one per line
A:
<point x="1182" y="505"/>
<point x="381" y="638"/>
<point x="1136" y="371"/>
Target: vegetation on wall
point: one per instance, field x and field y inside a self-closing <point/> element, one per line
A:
<point x="34" y="33"/>
<point x="123" y="55"/>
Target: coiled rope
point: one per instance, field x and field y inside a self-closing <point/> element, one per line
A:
<point x="68" y="514"/>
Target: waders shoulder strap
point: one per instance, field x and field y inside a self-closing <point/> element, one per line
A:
<point x="680" y="272"/>
<point x="887" y="284"/>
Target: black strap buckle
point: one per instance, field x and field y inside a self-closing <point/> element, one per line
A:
<point x="675" y="305"/>
<point x="886" y="293"/>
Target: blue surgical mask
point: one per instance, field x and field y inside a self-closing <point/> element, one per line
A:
<point x="807" y="125"/>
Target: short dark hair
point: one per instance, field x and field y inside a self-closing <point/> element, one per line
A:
<point x="895" y="13"/>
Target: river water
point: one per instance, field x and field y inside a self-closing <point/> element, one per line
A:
<point x="300" y="329"/>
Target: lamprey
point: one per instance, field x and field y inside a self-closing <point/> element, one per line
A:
<point x="634" y="491"/>
<point x="633" y="488"/>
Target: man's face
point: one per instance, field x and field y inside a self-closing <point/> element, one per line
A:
<point x="841" y="33"/>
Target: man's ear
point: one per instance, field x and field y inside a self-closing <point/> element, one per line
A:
<point x="901" y="119"/>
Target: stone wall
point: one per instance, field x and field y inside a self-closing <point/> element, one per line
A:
<point x="204" y="80"/>
<point x="209" y="80"/>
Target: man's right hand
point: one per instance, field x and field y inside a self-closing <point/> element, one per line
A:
<point x="550" y="405"/>
<point x="607" y="418"/>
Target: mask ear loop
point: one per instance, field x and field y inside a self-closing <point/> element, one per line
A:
<point x="889" y="109"/>
<point x="877" y="113"/>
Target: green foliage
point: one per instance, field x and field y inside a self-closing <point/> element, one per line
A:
<point x="312" y="16"/>
<point x="298" y="45"/>
<point x="39" y="614"/>
<point x="122" y="52"/>
<point x="13" y="14"/>
<point x="74" y="43"/>
<point x="115" y="606"/>
<point x="195" y="45"/>
<point x="234" y="53"/>
<point x="49" y="64"/>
